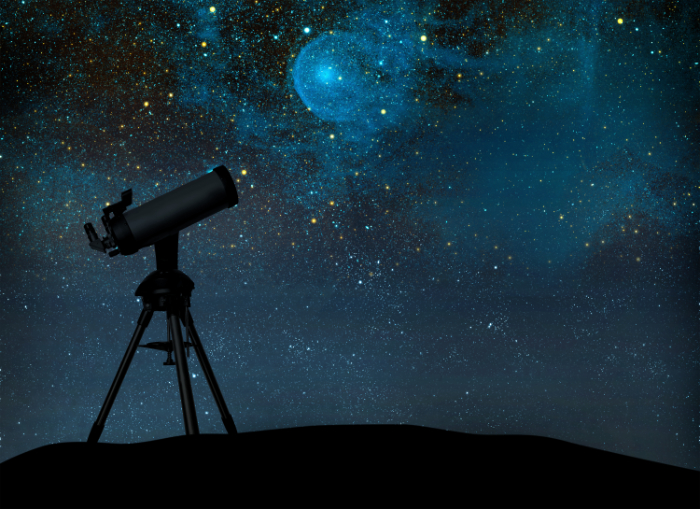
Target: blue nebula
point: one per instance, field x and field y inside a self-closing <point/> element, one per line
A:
<point x="342" y="78"/>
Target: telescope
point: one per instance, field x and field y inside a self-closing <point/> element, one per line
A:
<point x="163" y="216"/>
<point x="168" y="289"/>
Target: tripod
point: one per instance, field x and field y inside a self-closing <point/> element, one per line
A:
<point x="167" y="289"/>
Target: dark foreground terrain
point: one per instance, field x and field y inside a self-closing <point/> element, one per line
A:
<point x="358" y="466"/>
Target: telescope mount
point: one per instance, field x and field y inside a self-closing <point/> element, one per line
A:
<point x="168" y="289"/>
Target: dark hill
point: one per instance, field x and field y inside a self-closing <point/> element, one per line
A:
<point x="357" y="466"/>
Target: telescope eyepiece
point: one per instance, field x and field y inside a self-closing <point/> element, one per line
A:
<point x="90" y="230"/>
<point x="95" y="242"/>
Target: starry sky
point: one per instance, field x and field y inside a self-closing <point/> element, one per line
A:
<point x="473" y="216"/>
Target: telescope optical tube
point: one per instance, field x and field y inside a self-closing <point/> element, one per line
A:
<point x="174" y="211"/>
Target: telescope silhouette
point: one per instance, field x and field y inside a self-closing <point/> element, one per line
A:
<point x="158" y="223"/>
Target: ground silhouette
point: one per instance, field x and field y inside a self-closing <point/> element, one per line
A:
<point x="341" y="466"/>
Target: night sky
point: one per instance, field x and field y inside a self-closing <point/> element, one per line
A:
<point x="473" y="216"/>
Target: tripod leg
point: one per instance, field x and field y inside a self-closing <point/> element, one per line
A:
<point x="209" y="374"/>
<point x="99" y="425"/>
<point x="183" y="375"/>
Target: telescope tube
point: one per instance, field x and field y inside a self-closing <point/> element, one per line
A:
<point x="174" y="211"/>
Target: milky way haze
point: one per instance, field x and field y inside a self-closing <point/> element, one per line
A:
<point x="474" y="216"/>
